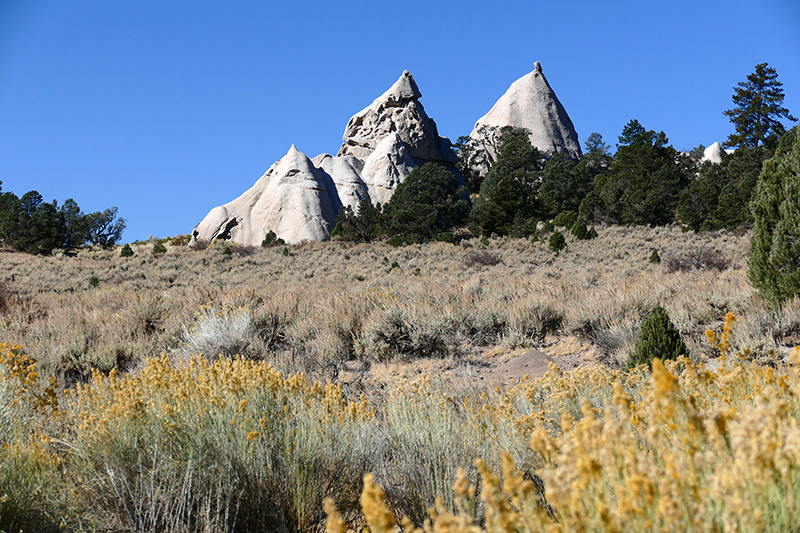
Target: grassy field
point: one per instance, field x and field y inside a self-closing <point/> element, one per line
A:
<point x="298" y="388"/>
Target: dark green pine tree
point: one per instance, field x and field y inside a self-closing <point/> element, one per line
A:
<point x="774" y="264"/>
<point x="758" y="106"/>
<point x="659" y="338"/>
<point x="427" y="204"/>
<point x="507" y="199"/>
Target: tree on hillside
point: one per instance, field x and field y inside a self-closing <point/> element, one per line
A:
<point x="360" y="225"/>
<point x="642" y="184"/>
<point x="32" y="225"/>
<point x="75" y="224"/>
<point x="474" y="160"/>
<point x="104" y="228"/>
<point x="507" y="201"/>
<point x="758" y="106"/>
<point x="719" y="196"/>
<point x="596" y="147"/>
<point x="10" y="208"/>
<point x="427" y="204"/>
<point x="774" y="264"/>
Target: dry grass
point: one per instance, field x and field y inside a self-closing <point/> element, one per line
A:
<point x="187" y="412"/>
<point x="323" y="303"/>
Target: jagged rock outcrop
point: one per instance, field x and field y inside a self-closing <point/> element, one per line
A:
<point x="714" y="153"/>
<point x="298" y="198"/>
<point x="397" y="111"/>
<point x="531" y="103"/>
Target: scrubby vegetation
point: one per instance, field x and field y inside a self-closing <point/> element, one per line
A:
<point x="181" y="393"/>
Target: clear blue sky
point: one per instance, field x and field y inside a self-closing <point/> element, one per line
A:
<point x="167" y="109"/>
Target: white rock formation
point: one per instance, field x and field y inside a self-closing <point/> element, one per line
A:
<point x="345" y="173"/>
<point x="293" y="199"/>
<point x="298" y="198"/>
<point x="714" y="153"/>
<point x="397" y="110"/>
<point x="386" y="167"/>
<point x="531" y="103"/>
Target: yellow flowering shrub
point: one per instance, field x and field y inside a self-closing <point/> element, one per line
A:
<point x="686" y="448"/>
<point x="229" y="442"/>
<point x="29" y="465"/>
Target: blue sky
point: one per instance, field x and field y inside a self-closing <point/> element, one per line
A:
<point x="167" y="109"/>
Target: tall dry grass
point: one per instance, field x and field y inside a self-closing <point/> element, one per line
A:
<point x="325" y="303"/>
<point x="191" y="400"/>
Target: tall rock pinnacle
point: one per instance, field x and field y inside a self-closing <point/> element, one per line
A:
<point x="531" y="103"/>
<point x="397" y="110"/>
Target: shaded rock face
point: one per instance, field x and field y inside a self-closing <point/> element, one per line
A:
<point x="531" y="103"/>
<point x="298" y="198"/>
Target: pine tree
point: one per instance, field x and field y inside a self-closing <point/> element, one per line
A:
<point x="508" y="193"/>
<point x="427" y="203"/>
<point x="758" y="104"/>
<point x="659" y="338"/>
<point x="774" y="264"/>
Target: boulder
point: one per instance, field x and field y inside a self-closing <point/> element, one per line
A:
<point x="531" y="103"/>
<point x="714" y="153"/>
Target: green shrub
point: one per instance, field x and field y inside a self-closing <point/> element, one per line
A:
<point x="94" y="281"/>
<point x="579" y="230"/>
<point x="654" y="257"/>
<point x="397" y="240"/>
<point x="227" y="252"/>
<point x="565" y="219"/>
<point x="159" y="248"/>
<point x="126" y="251"/>
<point x="271" y="239"/>
<point x="658" y="339"/>
<point x="557" y="242"/>
<point x="592" y="233"/>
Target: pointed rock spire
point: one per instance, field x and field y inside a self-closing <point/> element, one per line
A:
<point x="714" y="153"/>
<point x="397" y="110"/>
<point x="531" y="103"/>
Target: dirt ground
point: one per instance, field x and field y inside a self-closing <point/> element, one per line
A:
<point x="495" y="366"/>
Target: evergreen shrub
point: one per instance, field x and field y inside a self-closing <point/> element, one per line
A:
<point x="658" y="339"/>
<point x="126" y="251"/>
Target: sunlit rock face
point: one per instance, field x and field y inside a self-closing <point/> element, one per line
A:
<point x="714" y="153"/>
<point x="298" y="198"/>
<point x="532" y="104"/>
